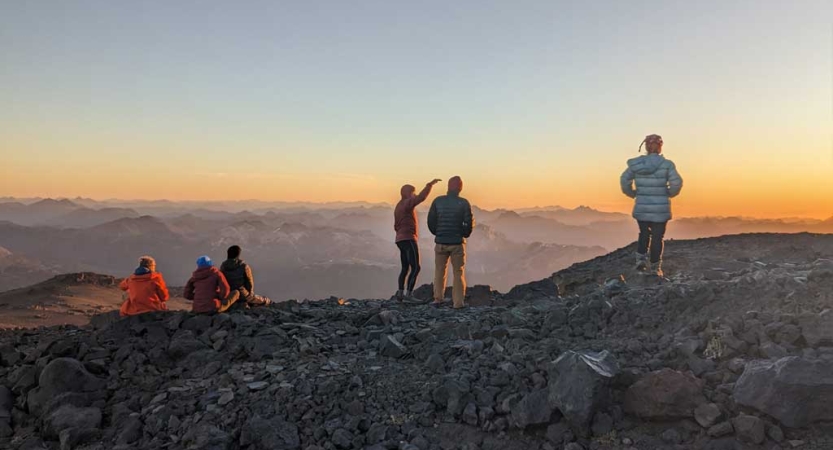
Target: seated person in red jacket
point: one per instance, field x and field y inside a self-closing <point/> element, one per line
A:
<point x="208" y="289"/>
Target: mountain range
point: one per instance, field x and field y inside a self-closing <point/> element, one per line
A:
<point x="314" y="251"/>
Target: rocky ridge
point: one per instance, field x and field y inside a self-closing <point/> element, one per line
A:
<point x="734" y="351"/>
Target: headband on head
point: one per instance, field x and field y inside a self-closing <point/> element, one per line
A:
<point x="650" y="139"/>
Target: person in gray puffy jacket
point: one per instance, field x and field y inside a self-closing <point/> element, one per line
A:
<point x="657" y="181"/>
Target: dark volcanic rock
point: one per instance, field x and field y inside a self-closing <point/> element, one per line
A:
<point x="366" y="374"/>
<point x="70" y="417"/>
<point x="707" y="414"/>
<point x="579" y="383"/>
<point x="533" y="409"/>
<point x="389" y="346"/>
<point x="62" y="375"/>
<point x="794" y="390"/>
<point x="749" y="429"/>
<point x="665" y="394"/>
<point x="817" y="329"/>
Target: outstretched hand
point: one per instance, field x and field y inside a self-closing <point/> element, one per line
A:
<point x="434" y="181"/>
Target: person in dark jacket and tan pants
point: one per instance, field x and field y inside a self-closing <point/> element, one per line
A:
<point x="240" y="278"/>
<point x="451" y="221"/>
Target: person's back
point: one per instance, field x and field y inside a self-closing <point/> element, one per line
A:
<point x="451" y="221"/>
<point x="207" y="288"/>
<point x="146" y="290"/>
<point x="657" y="181"/>
<point x="239" y="275"/>
<point x="240" y="278"/>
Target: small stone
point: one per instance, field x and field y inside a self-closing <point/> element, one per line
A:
<point x="342" y="439"/>
<point x="470" y="414"/>
<point x="435" y="363"/>
<point x="672" y="436"/>
<point x="721" y="429"/>
<point x="389" y="346"/>
<point x="258" y="386"/>
<point x="272" y="369"/>
<point x="707" y="414"/>
<point x="775" y="433"/>
<point x="227" y="397"/>
<point x="749" y="429"/>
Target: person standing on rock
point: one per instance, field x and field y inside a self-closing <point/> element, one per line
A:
<point x="451" y="221"/>
<point x="657" y="181"/>
<point x="240" y="278"/>
<point x="146" y="289"/>
<point x="407" y="237"/>
<point x="208" y="289"/>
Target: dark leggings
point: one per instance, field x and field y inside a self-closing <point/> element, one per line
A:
<point x="651" y="234"/>
<point x="409" y="255"/>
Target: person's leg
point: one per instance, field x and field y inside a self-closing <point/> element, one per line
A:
<point x="642" y="245"/>
<point x="458" y="262"/>
<point x="413" y="263"/>
<point x="644" y="237"/>
<point x="657" y="241"/>
<point x="227" y="303"/>
<point x="403" y="272"/>
<point x="440" y="268"/>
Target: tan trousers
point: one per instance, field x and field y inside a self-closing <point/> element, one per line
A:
<point x="457" y="254"/>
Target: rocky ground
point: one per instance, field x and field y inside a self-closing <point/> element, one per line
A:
<point x="733" y="351"/>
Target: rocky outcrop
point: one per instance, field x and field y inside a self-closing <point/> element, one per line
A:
<point x="796" y="391"/>
<point x="665" y="394"/>
<point x="579" y="385"/>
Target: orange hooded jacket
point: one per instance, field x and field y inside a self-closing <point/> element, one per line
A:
<point x="146" y="293"/>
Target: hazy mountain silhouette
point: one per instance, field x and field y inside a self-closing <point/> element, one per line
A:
<point x="313" y="251"/>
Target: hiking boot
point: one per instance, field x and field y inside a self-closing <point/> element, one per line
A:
<point x="259" y="300"/>
<point x="642" y="263"/>
<point x="399" y="296"/>
<point x="410" y="299"/>
<point x="658" y="270"/>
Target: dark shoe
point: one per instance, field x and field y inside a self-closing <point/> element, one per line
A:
<point x="411" y="300"/>
<point x="642" y="263"/>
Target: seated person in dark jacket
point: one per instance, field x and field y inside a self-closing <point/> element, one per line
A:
<point x="239" y="277"/>
<point x="208" y="289"/>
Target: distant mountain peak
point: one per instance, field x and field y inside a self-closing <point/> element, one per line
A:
<point x="53" y="202"/>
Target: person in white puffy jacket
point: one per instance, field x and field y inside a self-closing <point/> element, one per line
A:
<point x="656" y="181"/>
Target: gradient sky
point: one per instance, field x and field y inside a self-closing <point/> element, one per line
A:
<point x="532" y="102"/>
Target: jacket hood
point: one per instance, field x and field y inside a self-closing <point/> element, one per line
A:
<point x="406" y="191"/>
<point x="646" y="164"/>
<point x="205" y="272"/>
<point x="150" y="276"/>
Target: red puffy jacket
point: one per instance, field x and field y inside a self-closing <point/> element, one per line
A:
<point x="207" y="288"/>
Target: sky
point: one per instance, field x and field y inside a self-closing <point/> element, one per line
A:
<point x="531" y="102"/>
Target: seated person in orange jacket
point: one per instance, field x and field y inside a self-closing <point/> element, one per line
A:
<point x="146" y="290"/>
<point x="209" y="289"/>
